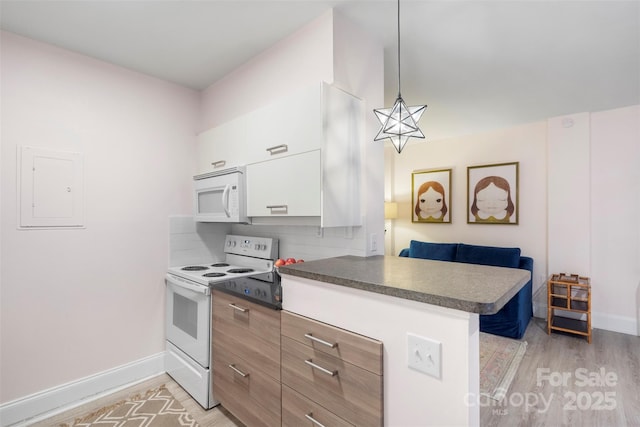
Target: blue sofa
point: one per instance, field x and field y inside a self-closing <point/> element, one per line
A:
<point x="512" y="320"/>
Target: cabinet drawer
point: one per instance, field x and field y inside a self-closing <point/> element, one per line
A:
<point x="296" y="409"/>
<point x="253" y="333"/>
<point x="255" y="398"/>
<point x="352" y="393"/>
<point x="353" y="348"/>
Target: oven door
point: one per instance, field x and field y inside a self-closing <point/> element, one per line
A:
<point x="188" y="317"/>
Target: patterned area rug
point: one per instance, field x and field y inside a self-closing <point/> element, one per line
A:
<point x="499" y="361"/>
<point x="155" y="408"/>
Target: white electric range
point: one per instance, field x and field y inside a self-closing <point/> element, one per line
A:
<point x="246" y="271"/>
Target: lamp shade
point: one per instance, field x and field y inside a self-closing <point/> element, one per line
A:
<point x="390" y="210"/>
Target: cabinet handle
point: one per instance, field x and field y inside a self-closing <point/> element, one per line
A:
<point x="235" y="307"/>
<point x="277" y="149"/>
<point x="309" y="416"/>
<point x="320" y="341"/>
<point x="238" y="371"/>
<point x="320" y="368"/>
<point x="219" y="163"/>
<point x="285" y="208"/>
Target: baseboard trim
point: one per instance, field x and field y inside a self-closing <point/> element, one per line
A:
<point x="611" y="322"/>
<point x="47" y="403"/>
<point x="605" y="321"/>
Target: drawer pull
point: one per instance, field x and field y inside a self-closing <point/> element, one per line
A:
<point x="320" y="368"/>
<point x="219" y="163"/>
<point x="281" y="209"/>
<point x="236" y="307"/>
<point x="320" y="341"/>
<point x="238" y="371"/>
<point x="277" y="149"/>
<point x="309" y="416"/>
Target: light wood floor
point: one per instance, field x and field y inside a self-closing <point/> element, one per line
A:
<point x="533" y="398"/>
<point x="553" y="401"/>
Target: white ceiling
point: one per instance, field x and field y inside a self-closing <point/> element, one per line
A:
<point x="478" y="64"/>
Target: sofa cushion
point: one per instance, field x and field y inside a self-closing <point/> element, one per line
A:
<point x="488" y="255"/>
<point x="434" y="251"/>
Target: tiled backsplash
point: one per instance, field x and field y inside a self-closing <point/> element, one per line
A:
<point x="193" y="242"/>
<point x="196" y="243"/>
<point x="304" y="242"/>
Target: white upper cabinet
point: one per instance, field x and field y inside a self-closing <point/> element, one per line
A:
<point x="287" y="187"/>
<point x="328" y="124"/>
<point x="321" y="187"/>
<point x="289" y="125"/>
<point x="222" y="147"/>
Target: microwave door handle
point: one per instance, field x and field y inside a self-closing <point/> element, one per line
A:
<point x="225" y="200"/>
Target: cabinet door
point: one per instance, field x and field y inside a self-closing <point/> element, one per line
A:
<point x="288" y="186"/>
<point x="290" y="125"/>
<point x="221" y="147"/>
<point x="247" y="392"/>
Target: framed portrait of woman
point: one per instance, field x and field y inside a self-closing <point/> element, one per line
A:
<point x="492" y="194"/>
<point x="431" y="196"/>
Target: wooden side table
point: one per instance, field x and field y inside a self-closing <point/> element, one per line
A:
<point x="570" y="293"/>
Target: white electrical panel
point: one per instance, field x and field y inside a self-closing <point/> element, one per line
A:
<point x="51" y="188"/>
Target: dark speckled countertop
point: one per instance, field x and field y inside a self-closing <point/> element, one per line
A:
<point x="468" y="287"/>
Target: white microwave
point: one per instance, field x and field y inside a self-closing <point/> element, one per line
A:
<point x="221" y="196"/>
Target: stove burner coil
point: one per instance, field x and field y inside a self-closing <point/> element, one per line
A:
<point x="240" y="270"/>
<point x="213" y="275"/>
<point x="195" y="268"/>
<point x="220" y="264"/>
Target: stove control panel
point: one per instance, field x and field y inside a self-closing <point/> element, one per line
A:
<point x="258" y="247"/>
<point x="265" y="293"/>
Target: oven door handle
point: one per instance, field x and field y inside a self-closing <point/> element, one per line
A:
<point x="176" y="281"/>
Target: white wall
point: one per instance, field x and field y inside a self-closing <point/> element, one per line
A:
<point x="594" y="206"/>
<point x="329" y="49"/>
<point x="615" y="219"/>
<point x="78" y="302"/>
<point x="525" y="144"/>
<point x="569" y="194"/>
<point x="304" y="57"/>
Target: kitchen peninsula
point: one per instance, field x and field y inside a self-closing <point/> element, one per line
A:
<point x="386" y="298"/>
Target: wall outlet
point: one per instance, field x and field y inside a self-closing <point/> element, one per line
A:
<point x="424" y="355"/>
<point x="373" y="242"/>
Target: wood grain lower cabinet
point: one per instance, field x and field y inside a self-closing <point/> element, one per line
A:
<point x="338" y="371"/>
<point x="297" y="411"/>
<point x="246" y="360"/>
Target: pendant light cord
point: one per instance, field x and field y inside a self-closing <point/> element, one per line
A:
<point x="399" y="49"/>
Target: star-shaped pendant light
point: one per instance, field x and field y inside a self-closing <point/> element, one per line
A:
<point x="399" y="123"/>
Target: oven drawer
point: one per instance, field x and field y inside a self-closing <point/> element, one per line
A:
<point x="249" y="330"/>
<point x="351" y="392"/>
<point x="190" y="375"/>
<point x="247" y="392"/>
<point x="297" y="411"/>
<point x="351" y="347"/>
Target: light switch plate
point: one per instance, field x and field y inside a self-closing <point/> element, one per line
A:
<point x="424" y="355"/>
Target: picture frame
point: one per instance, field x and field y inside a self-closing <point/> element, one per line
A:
<point x="431" y="196"/>
<point x="493" y="193"/>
